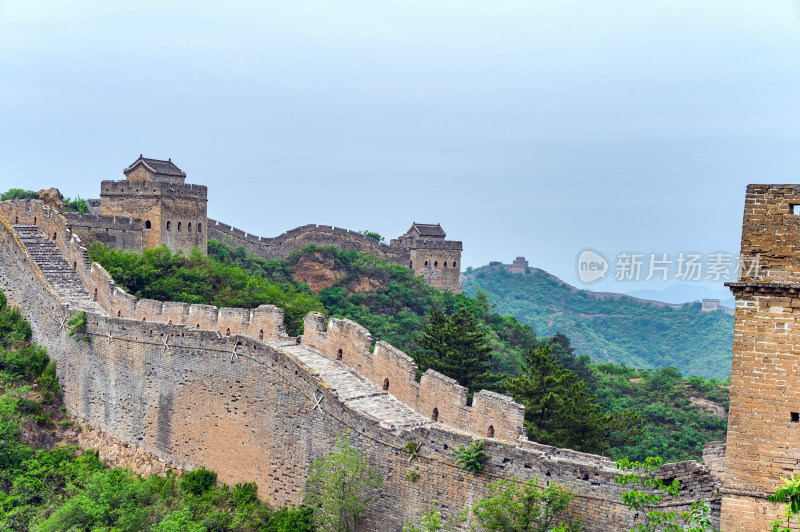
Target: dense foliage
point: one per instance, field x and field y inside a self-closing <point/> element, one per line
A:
<point x="166" y="276"/>
<point x="561" y="411"/>
<point x="681" y="414"/>
<point x="18" y="193"/>
<point x="618" y="329"/>
<point x="76" y="204"/>
<point x="454" y="346"/>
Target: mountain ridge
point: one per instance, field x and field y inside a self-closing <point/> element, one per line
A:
<point x="612" y="327"/>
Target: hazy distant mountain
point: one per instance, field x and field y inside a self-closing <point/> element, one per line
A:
<point x="612" y="327"/>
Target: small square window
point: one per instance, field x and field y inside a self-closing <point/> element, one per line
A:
<point x="795" y="209"/>
<point x="795" y="417"/>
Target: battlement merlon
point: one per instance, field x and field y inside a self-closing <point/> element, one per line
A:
<point x="770" y="250"/>
<point x="103" y="221"/>
<point x="109" y="188"/>
<point x="454" y="245"/>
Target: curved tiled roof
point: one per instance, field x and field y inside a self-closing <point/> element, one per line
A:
<point x="157" y="166"/>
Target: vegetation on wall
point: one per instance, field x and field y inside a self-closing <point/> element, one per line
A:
<point x="18" y="193"/>
<point x="166" y="276"/>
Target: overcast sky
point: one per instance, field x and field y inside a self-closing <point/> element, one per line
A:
<point x="525" y="128"/>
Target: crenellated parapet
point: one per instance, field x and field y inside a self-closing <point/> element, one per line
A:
<point x="298" y="238"/>
<point x="155" y="385"/>
<point x="436" y="396"/>
<point x="153" y="188"/>
<point x="116" y="232"/>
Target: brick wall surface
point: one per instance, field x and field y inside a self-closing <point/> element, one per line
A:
<point x="763" y="425"/>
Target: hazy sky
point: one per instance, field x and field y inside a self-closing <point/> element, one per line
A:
<point x="526" y="128"/>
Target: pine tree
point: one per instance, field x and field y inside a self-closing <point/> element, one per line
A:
<point x="456" y="347"/>
<point x="561" y="411"/>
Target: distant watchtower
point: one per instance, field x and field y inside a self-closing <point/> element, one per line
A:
<point x="431" y="256"/>
<point x="520" y="265"/>
<point x="763" y="442"/>
<point x="173" y="213"/>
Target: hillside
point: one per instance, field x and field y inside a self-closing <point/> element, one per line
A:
<point x="610" y="327"/>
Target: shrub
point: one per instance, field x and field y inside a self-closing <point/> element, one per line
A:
<point x="198" y="481"/>
<point x="472" y="457"/>
<point x="341" y="486"/>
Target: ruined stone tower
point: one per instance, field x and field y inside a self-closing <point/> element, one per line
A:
<point x="431" y="256"/>
<point x="173" y="213"/>
<point x="764" y="423"/>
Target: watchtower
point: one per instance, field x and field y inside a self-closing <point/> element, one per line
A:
<point x="431" y="256"/>
<point x="173" y="213"/>
<point x="763" y="442"/>
<point x="519" y="265"/>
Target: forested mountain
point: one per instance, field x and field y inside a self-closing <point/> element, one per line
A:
<point x="612" y="327"/>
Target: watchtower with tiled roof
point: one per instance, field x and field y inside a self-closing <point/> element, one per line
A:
<point x="430" y="255"/>
<point x="144" y="169"/>
<point x="173" y="213"/>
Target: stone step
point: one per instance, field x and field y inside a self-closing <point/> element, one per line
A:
<point x="56" y="269"/>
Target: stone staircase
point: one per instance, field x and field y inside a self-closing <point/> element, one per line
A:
<point x="57" y="271"/>
<point x="357" y="392"/>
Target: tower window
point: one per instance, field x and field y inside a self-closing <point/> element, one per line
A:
<point x="179" y="227"/>
<point x="147" y="224"/>
<point x="199" y="228"/>
<point x="189" y="227"/>
<point x="435" y="415"/>
<point x="490" y="432"/>
<point x="169" y="225"/>
<point x="795" y="417"/>
<point x="386" y="384"/>
<point x="445" y="264"/>
<point x="426" y="263"/>
<point x="436" y="264"/>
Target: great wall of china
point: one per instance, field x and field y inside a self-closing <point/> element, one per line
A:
<point x="170" y="385"/>
<point x="177" y="385"/>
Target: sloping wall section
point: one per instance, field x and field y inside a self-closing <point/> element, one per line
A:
<point x="228" y="390"/>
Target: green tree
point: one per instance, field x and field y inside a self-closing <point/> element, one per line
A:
<point x="341" y="486"/>
<point x="455" y="346"/>
<point x="560" y="410"/>
<point x="432" y="521"/>
<point x="514" y="506"/>
<point x="372" y="234"/>
<point x="788" y="494"/>
<point x="652" y="493"/>
<point x="76" y="204"/>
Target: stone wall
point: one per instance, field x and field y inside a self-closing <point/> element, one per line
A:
<point x="252" y="411"/>
<point x="437" y="261"/>
<point x="116" y="232"/>
<point x="436" y="396"/>
<point x="286" y="243"/>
